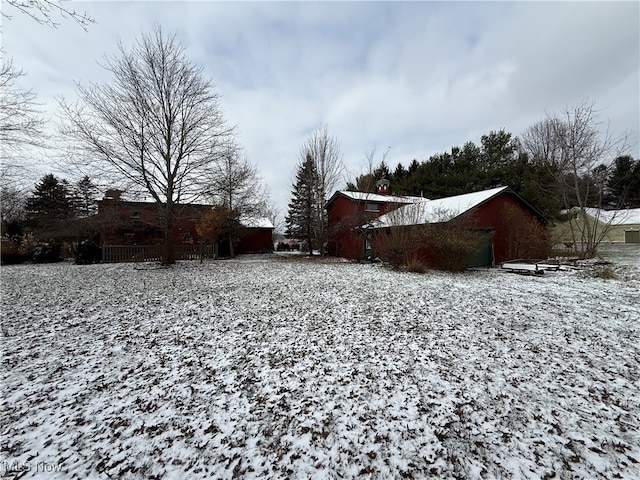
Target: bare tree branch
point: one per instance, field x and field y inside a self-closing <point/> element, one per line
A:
<point x="324" y="149"/>
<point x="20" y="120"/>
<point x="45" y="12"/>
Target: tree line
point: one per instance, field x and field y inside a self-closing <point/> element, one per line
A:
<point x="556" y="164"/>
<point x="158" y="127"/>
<point x="501" y="160"/>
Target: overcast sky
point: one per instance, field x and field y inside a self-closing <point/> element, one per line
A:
<point x="416" y="78"/>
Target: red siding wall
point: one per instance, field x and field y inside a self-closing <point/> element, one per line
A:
<point x="344" y="214"/>
<point x="490" y="215"/>
<point x="256" y="241"/>
<point x="138" y="223"/>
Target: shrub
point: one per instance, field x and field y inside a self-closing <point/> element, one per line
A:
<point x="603" y="272"/>
<point x="394" y="245"/>
<point x="88" y="252"/>
<point x="416" y="264"/>
<point x="452" y="244"/>
<point x="10" y="251"/>
<point x="47" y="253"/>
<point x="525" y="238"/>
<point x="17" y="248"/>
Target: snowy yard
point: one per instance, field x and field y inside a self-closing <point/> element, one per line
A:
<point x="266" y="368"/>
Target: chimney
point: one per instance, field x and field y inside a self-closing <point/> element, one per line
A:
<point x="113" y="194"/>
<point x="383" y="187"/>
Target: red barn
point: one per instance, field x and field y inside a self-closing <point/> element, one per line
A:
<point x="514" y="228"/>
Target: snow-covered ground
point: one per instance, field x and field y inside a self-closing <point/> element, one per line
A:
<point x="270" y="368"/>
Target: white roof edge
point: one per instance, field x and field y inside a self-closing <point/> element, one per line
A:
<point x="256" y="222"/>
<point x="376" y="197"/>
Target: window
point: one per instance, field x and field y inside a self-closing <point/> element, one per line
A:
<point x="371" y="207"/>
<point x="632" y="236"/>
<point x="135" y="214"/>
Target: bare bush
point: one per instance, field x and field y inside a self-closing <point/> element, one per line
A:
<point x="394" y="244"/>
<point x="452" y="242"/>
<point x="416" y="263"/>
<point x="397" y="241"/>
<point x="525" y="239"/>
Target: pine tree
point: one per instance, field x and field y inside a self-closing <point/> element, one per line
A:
<point x="302" y="219"/>
<point x="50" y="206"/>
<point x="85" y="193"/>
<point x="50" y="199"/>
<point x="624" y="183"/>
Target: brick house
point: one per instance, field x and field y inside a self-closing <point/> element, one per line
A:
<point x="121" y="222"/>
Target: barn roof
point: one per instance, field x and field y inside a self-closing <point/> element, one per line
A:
<point x="256" y="222"/>
<point x="374" y="197"/>
<point x="433" y="211"/>
<point x="629" y="216"/>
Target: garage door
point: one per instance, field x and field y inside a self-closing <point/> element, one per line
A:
<point x="484" y="258"/>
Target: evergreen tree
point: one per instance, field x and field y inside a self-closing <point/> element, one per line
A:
<point x="302" y="219"/>
<point x="85" y="193"/>
<point x="501" y="162"/>
<point x="399" y="174"/>
<point x="364" y="183"/>
<point x="49" y="207"/>
<point x="50" y="200"/>
<point x="382" y="171"/>
<point x="623" y="185"/>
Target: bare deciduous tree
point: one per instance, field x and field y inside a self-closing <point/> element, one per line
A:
<point x="157" y="126"/>
<point x="21" y="127"/>
<point x="576" y="152"/>
<point x="12" y="203"/>
<point x="366" y="182"/>
<point x="235" y="183"/>
<point x="274" y="214"/>
<point x="20" y="120"/>
<point x="324" y="149"/>
<point x="45" y="12"/>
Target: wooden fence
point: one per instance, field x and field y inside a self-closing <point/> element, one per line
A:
<point x="152" y="253"/>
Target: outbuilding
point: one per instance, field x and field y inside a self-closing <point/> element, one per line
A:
<point x="610" y="226"/>
<point x="513" y="227"/>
